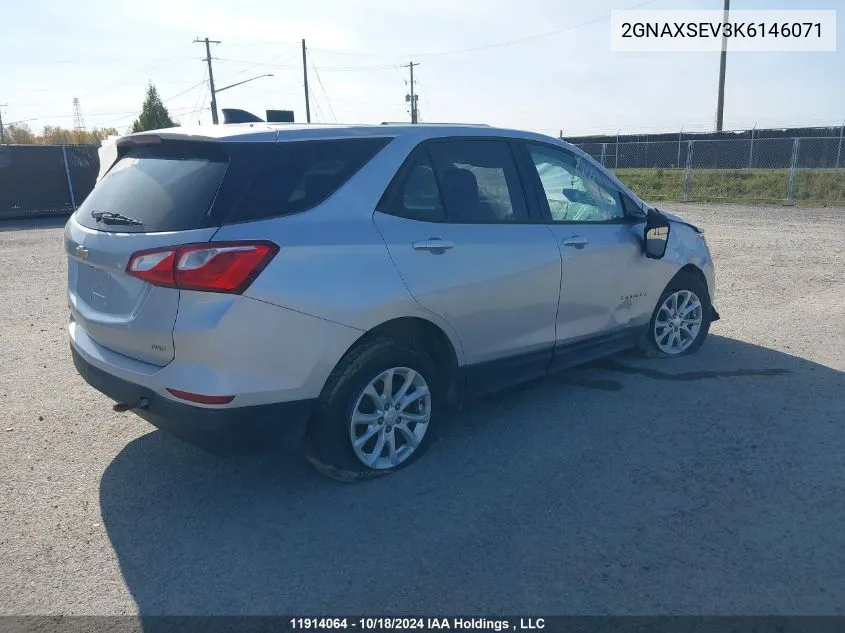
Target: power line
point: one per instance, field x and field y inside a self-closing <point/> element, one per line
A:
<point x="89" y="95"/>
<point x="493" y="45"/>
<point x="200" y="97"/>
<point x="378" y="103"/>
<point x="176" y="112"/>
<point x="169" y="99"/>
<point x="342" y="69"/>
<point x="187" y="90"/>
<point x="66" y="116"/>
<point x="325" y="94"/>
<point x="94" y="115"/>
<point x="280" y="56"/>
<point x="271" y="91"/>
<point x="255" y="64"/>
<point x="202" y="107"/>
<point x="531" y="38"/>
<point x="102" y="60"/>
<point x="316" y="104"/>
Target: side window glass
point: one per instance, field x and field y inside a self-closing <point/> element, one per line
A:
<point x="631" y="208"/>
<point x="479" y="182"/>
<point x="574" y="188"/>
<point x="287" y="177"/>
<point x="414" y="192"/>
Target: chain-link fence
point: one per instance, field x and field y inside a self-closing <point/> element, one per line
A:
<point x="801" y="170"/>
<point x="37" y="180"/>
<point x="54" y="179"/>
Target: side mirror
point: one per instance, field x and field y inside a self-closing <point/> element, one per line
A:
<point x="656" y="235"/>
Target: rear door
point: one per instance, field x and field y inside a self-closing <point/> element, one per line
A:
<point x="156" y="195"/>
<point x="459" y="230"/>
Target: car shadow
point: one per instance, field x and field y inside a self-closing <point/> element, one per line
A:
<point x="707" y="484"/>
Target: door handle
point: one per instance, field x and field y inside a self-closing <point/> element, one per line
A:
<point x="433" y="245"/>
<point x="575" y="240"/>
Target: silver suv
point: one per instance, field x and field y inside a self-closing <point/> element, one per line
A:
<point x="336" y="288"/>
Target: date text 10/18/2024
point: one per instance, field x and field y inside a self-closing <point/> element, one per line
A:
<point x="419" y="624"/>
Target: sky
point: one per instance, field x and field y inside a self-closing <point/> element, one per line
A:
<point x="471" y="69"/>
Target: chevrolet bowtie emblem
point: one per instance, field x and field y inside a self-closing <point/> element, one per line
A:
<point x="81" y="252"/>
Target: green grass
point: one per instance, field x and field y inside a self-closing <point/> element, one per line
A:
<point x="816" y="187"/>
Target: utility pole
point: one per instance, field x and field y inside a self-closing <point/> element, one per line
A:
<point x="2" y="132"/>
<point x="305" y="81"/>
<point x="412" y="98"/>
<point x="720" y="105"/>
<point x="210" y="75"/>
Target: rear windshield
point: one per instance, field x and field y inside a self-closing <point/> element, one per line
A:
<point x="164" y="187"/>
<point x="179" y="185"/>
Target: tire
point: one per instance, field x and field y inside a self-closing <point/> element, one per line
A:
<point x="329" y="444"/>
<point x="683" y="282"/>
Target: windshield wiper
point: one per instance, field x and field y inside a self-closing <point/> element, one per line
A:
<point x="106" y="217"/>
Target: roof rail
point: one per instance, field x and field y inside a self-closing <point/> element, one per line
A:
<point x="436" y="123"/>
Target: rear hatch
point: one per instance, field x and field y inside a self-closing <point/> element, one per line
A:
<point x="167" y="192"/>
<point x="157" y="194"/>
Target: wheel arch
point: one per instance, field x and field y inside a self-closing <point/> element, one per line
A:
<point x="428" y="335"/>
<point x="692" y="269"/>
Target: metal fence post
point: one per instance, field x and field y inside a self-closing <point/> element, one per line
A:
<point x="751" y="152"/>
<point x="793" y="168"/>
<point x="616" y="164"/>
<point x="678" y="162"/>
<point x="603" y="152"/>
<point x="839" y="151"/>
<point x="688" y="174"/>
<point x="67" y="173"/>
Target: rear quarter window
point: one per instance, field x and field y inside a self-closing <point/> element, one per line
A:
<point x="287" y="177"/>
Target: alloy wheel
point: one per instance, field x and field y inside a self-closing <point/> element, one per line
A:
<point x="390" y="418"/>
<point x="678" y="322"/>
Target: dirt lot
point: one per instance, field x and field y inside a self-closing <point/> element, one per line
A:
<point x="714" y="484"/>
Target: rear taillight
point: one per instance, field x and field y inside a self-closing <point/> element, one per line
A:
<point x="213" y="266"/>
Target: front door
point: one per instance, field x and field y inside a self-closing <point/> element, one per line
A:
<point x="601" y="250"/>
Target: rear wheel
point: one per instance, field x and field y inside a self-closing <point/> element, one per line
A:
<point x="377" y="411"/>
<point x="681" y="319"/>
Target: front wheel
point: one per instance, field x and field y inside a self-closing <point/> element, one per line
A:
<point x="681" y="319"/>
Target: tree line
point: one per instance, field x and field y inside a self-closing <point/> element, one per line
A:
<point x="154" y="116"/>
<point x="22" y="134"/>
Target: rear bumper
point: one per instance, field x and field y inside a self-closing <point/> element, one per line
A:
<point x="223" y="431"/>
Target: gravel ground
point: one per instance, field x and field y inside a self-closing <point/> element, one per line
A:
<point x="714" y="484"/>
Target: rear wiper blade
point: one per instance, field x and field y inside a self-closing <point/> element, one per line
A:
<point x="106" y="217"/>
